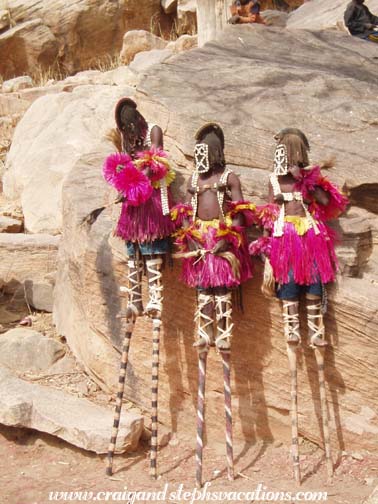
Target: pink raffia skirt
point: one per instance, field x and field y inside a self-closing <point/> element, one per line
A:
<point x="212" y="270"/>
<point x="309" y="256"/>
<point x="146" y="222"/>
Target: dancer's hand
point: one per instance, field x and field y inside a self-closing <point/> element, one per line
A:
<point x="193" y="245"/>
<point x="220" y="247"/>
<point x="279" y="199"/>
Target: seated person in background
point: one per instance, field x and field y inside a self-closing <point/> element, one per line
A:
<point x="246" y="11"/>
<point x="360" y="21"/>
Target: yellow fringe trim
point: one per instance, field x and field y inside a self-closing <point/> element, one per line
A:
<point x="175" y="213"/>
<point x="169" y="178"/>
<point x="203" y="225"/>
<point x="301" y="224"/>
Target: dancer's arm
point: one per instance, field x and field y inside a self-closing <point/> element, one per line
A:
<point x="157" y="137"/>
<point x="321" y="196"/>
<point x="236" y="195"/>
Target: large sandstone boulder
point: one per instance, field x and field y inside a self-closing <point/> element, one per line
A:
<point x="24" y="350"/>
<point x="322" y="14"/>
<point x="146" y="59"/>
<point x="136" y="41"/>
<point x="314" y="81"/>
<point x="77" y="421"/>
<point x="13" y="105"/>
<point x="183" y="43"/>
<point x="85" y="32"/>
<point x="16" y="84"/>
<point x="54" y="132"/>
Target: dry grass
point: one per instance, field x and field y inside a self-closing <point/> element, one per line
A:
<point x="105" y="63"/>
<point x="41" y="75"/>
<point x="177" y="29"/>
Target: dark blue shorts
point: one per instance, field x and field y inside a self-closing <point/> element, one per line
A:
<point x="292" y="290"/>
<point x="155" y="247"/>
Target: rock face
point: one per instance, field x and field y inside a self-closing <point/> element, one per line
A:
<point x="169" y="6"/>
<point x="183" y="43"/>
<point x="17" y="84"/>
<point x="28" y="263"/>
<point x="322" y="14"/>
<point x="77" y="421"/>
<point x="26" y="47"/>
<point x="50" y="158"/>
<point x="275" y="17"/>
<point x="4" y="19"/>
<point x="147" y="59"/>
<point x="316" y="82"/>
<point x="9" y="225"/>
<point x="25" y="350"/>
<point x="212" y="16"/>
<point x="283" y="5"/>
<point x="80" y="32"/>
<point x="136" y="41"/>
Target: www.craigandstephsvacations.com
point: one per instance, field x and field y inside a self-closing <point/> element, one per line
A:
<point x="179" y="494"/>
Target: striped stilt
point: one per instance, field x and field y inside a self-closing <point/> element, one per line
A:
<point x="134" y="304"/>
<point x="202" y="360"/>
<point x="292" y="355"/>
<point x="318" y="343"/>
<point x="120" y="391"/>
<point x="156" y="323"/>
<point x="223" y="309"/>
<point x="228" y="410"/>
<point x="319" y="355"/>
<point x="153" y="310"/>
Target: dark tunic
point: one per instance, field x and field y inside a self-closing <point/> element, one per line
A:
<point x="356" y="17"/>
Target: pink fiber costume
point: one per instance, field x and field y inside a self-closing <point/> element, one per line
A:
<point x="302" y="246"/>
<point x="212" y="270"/>
<point x="145" y="213"/>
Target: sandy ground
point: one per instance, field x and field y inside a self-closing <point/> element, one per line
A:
<point x="33" y="465"/>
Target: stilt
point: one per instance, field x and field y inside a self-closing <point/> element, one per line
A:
<point x="202" y="361"/>
<point x="223" y="308"/>
<point x="228" y="411"/>
<point x="121" y="388"/>
<point x="318" y="343"/>
<point x="292" y="355"/>
<point x="134" y="308"/>
<point x="153" y="310"/>
<point x="319" y="355"/>
<point x="292" y="335"/>
<point x="154" y="397"/>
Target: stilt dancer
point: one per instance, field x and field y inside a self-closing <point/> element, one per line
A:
<point x="300" y="249"/>
<point x="141" y="173"/>
<point x="212" y="243"/>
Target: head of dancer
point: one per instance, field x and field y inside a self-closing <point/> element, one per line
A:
<point x="209" y="149"/>
<point x="132" y="126"/>
<point x="291" y="151"/>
